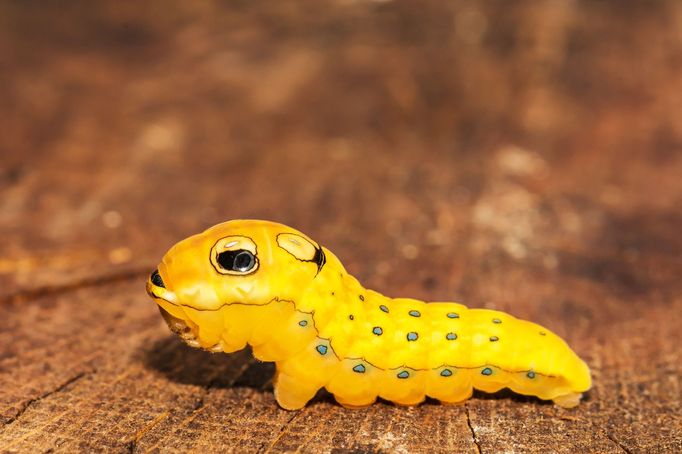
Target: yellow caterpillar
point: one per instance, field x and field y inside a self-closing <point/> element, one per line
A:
<point x="267" y="285"/>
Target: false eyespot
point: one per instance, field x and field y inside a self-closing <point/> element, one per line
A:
<point x="302" y="248"/>
<point x="235" y="255"/>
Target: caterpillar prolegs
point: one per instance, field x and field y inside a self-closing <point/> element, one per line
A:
<point x="267" y="285"/>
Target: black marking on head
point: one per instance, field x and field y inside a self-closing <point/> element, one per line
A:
<point x="494" y="338"/>
<point x="362" y="298"/>
<point x="302" y="249"/>
<point x="156" y="279"/>
<point x="319" y="258"/>
<point x="239" y="260"/>
<point x="351" y="317"/>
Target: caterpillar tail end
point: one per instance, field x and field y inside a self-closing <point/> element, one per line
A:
<point x="580" y="381"/>
<point x="570" y="400"/>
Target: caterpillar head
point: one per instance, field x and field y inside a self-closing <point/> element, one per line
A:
<point x="237" y="262"/>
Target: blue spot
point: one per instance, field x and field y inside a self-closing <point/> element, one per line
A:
<point x="497" y="320"/>
<point x="303" y="323"/>
<point x="453" y="315"/>
<point x="445" y="373"/>
<point x="412" y="336"/>
<point x="378" y="331"/>
<point x="494" y="338"/>
<point x="414" y="313"/>
<point x="487" y="371"/>
<point x="360" y="369"/>
<point x="451" y="336"/>
<point x="530" y="374"/>
<point x="321" y="349"/>
<point x="403" y="374"/>
<point x="383" y="308"/>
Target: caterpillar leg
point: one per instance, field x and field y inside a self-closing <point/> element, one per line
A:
<point x="353" y="403"/>
<point x="354" y="384"/>
<point x="568" y="400"/>
<point x="292" y="393"/>
<point x="402" y="386"/>
<point x="449" y="385"/>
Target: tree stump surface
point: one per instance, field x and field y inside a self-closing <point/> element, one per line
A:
<point x="525" y="158"/>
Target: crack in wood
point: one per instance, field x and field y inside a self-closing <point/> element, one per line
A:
<point x="198" y="407"/>
<point x="132" y="445"/>
<point x="36" y="399"/>
<point x="22" y="296"/>
<point x="474" y="438"/>
<point x="281" y="433"/>
<point x="618" y="443"/>
<point x="313" y="433"/>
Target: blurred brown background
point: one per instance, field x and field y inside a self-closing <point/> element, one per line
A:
<point x="522" y="156"/>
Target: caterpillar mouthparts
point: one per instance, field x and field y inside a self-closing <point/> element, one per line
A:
<point x="269" y="286"/>
<point x="181" y="328"/>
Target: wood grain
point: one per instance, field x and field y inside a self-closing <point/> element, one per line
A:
<point x="520" y="157"/>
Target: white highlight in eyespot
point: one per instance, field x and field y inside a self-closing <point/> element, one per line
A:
<point x="230" y="244"/>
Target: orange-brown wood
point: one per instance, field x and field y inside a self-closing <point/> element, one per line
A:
<point x="522" y="157"/>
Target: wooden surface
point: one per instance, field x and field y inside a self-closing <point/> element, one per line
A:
<point x="523" y="158"/>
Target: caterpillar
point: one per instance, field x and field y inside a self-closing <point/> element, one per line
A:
<point x="272" y="287"/>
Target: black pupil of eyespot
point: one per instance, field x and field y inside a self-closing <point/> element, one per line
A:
<point x="239" y="260"/>
<point x="243" y="261"/>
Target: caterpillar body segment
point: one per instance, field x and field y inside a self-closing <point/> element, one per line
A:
<point x="266" y="285"/>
